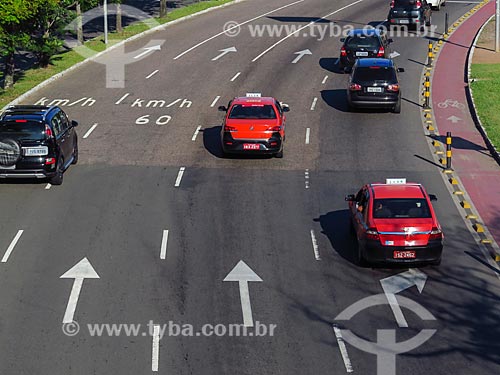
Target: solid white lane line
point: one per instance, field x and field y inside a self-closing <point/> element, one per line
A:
<point x="313" y="105"/>
<point x="215" y="101"/>
<point x="12" y="245"/>
<point x="164" y="241"/>
<point x="315" y="246"/>
<point x="343" y="349"/>
<point x="235" y="27"/>
<point x="122" y="98"/>
<point x="235" y="76"/>
<point x="155" y="352"/>
<point x="324" y="80"/>
<point x="308" y="133"/>
<point x="48" y="186"/>
<point x="196" y="133"/>
<point x="152" y="74"/>
<point x="179" y="176"/>
<point x="90" y="131"/>
<point x="303" y="27"/>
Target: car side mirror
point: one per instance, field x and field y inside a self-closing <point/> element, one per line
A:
<point x="74" y="123"/>
<point x="401" y="70"/>
<point x="222" y="109"/>
<point x="286" y="108"/>
<point x="350" y="198"/>
<point x="432" y="197"/>
<point x="342" y="40"/>
<point x="390" y="40"/>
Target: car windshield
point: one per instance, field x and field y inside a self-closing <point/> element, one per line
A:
<point x="400" y="208"/>
<point x="22" y="131"/>
<point x="374" y="73"/>
<point x="239" y="111"/>
<point x="363" y="41"/>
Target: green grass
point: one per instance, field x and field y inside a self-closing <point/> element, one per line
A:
<point x="32" y="77"/>
<point x="485" y="90"/>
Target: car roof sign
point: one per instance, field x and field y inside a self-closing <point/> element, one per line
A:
<point x="395" y="181"/>
<point x="253" y="95"/>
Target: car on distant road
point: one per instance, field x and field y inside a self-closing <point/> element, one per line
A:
<point x="254" y="124"/>
<point x="37" y="142"/>
<point x="374" y="83"/>
<point x="437" y="4"/>
<point x="363" y="43"/>
<point x="415" y="13"/>
<point x="395" y="223"/>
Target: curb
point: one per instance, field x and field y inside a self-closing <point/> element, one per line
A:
<point x="114" y="46"/>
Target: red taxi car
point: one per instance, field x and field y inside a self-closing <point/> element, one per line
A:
<point x="254" y="124"/>
<point x="395" y="223"/>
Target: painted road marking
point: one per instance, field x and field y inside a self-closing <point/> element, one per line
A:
<point x="152" y="74"/>
<point x="123" y="98"/>
<point x="235" y="76"/>
<point x="90" y="131"/>
<point x="324" y="80"/>
<point x="196" y="133"/>
<point x="308" y="133"/>
<point x="343" y="349"/>
<point x="12" y="245"/>
<point x="303" y="27"/>
<point x="315" y="246"/>
<point x="313" y="105"/>
<point x="235" y="26"/>
<point x="179" y="176"/>
<point x="301" y="54"/>
<point x="215" y="101"/>
<point x="306" y="176"/>
<point x="155" y="352"/>
<point x="174" y="103"/>
<point x="164" y="241"/>
<point x="147" y="50"/>
<point x="224" y="52"/>
<point x="48" y="186"/>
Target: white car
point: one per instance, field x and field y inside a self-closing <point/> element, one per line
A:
<point x="436" y="4"/>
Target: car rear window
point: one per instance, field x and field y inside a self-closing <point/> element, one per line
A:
<point x="239" y="111"/>
<point x="363" y="41"/>
<point x="364" y="74"/>
<point x="401" y="208"/>
<point x="404" y="3"/>
<point x="23" y="131"/>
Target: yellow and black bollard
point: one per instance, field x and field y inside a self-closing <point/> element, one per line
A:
<point x="427" y="92"/>
<point x="448" y="151"/>
<point x="430" y="56"/>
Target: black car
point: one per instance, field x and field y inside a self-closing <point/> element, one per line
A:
<point x="374" y="83"/>
<point x="363" y="43"/>
<point x="415" y="13"/>
<point x="37" y="142"/>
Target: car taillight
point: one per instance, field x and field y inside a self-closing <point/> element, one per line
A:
<point x="343" y="52"/>
<point x="21" y="120"/>
<point x="392" y="4"/>
<point x="436" y="234"/>
<point x="418" y="4"/>
<point x="48" y="131"/>
<point x="355" y="87"/>
<point x="275" y="128"/>
<point x="381" y="52"/>
<point x="372" y="234"/>
<point x="393" y="88"/>
<point x="229" y="128"/>
<point x="50" y="161"/>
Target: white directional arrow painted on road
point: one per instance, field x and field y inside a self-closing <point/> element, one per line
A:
<point x="243" y="274"/>
<point x="394" y="54"/>
<point x="454" y="119"/>
<point x="301" y="54"/>
<point x="147" y="50"/>
<point x="81" y="271"/>
<point x="224" y="52"/>
<point x="396" y="284"/>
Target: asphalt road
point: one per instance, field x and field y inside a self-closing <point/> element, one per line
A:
<point x="115" y="205"/>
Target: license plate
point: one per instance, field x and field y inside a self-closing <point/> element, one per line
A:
<point x="36" y="151"/>
<point x="404" y="21"/>
<point x="374" y="89"/>
<point x="404" y="255"/>
<point x="251" y="146"/>
<point x="361" y="54"/>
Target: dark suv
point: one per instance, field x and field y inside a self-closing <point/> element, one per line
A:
<point x="415" y="13"/>
<point x="374" y="83"/>
<point x="363" y="43"/>
<point x="36" y="142"/>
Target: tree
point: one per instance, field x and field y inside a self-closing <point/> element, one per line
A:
<point x="119" y="26"/>
<point x="163" y="8"/>
<point x="80" y="7"/>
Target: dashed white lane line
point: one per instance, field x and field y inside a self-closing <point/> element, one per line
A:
<point x="343" y="349"/>
<point x="48" y="186"/>
<point x="215" y="101"/>
<point x="122" y="98"/>
<point x="179" y="176"/>
<point x="324" y="80"/>
<point x="90" y="131"/>
<point x="306" y="176"/>
<point x="313" y="105"/>
<point x="303" y="27"/>
<point x="164" y="241"/>
<point x="12" y="245"/>
<point x="152" y="74"/>
<point x="196" y="133"/>
<point x="235" y="76"/>
<point x="155" y="352"/>
<point x="235" y="26"/>
<point x="315" y="246"/>
<point x="308" y="134"/>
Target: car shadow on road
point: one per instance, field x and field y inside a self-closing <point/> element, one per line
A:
<point x="331" y="64"/>
<point x="23" y="181"/>
<point x="459" y="143"/>
<point x="336" y="99"/>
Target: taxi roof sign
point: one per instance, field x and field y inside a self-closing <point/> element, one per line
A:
<point x="395" y="181"/>
<point x="253" y="95"/>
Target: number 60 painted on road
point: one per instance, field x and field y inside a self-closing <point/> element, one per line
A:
<point x="162" y="120"/>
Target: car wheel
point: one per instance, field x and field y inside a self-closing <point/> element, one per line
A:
<point x="397" y="107"/>
<point x="10" y="152"/>
<point x="360" y="260"/>
<point x="58" y="178"/>
<point x="279" y="154"/>
<point x="437" y="262"/>
<point x="443" y="3"/>
<point x="429" y="21"/>
<point x="75" y="153"/>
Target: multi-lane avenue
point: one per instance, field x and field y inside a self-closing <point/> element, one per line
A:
<point x="163" y="218"/>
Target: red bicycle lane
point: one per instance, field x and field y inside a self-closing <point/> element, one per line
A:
<point x="472" y="161"/>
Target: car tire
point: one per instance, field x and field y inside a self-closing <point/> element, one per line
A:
<point x="360" y="260"/>
<point x="397" y="107"/>
<point x="75" y="153"/>
<point x="10" y="152"/>
<point x="57" y="179"/>
<point x="429" y="22"/>
<point x="279" y="155"/>
<point x="437" y="262"/>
